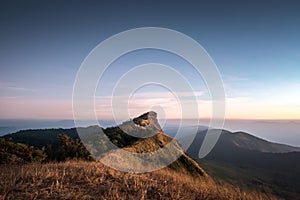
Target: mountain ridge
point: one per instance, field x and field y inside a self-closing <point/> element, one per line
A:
<point x="140" y="135"/>
<point x="156" y="148"/>
<point x="238" y="139"/>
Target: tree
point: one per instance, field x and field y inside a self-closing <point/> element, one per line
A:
<point x="72" y="149"/>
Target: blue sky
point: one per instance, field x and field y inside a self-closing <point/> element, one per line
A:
<point x="255" y="45"/>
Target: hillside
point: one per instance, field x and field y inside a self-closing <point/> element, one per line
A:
<point x="240" y="140"/>
<point x="153" y="151"/>
<point x="93" y="180"/>
<point x="250" y="161"/>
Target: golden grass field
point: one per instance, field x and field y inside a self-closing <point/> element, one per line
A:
<point x="93" y="180"/>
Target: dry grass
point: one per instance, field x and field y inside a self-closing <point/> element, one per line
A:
<point x="83" y="180"/>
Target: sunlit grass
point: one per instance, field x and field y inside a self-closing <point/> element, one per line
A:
<point x="93" y="180"/>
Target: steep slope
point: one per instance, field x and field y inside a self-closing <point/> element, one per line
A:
<point x="154" y="150"/>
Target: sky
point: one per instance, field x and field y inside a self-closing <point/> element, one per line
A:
<point x="254" y="44"/>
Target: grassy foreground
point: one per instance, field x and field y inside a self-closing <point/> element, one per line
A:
<point x="93" y="180"/>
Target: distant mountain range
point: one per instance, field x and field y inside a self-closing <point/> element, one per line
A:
<point x="12" y="126"/>
<point x="240" y="140"/>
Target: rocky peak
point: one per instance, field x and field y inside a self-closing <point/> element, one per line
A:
<point x="147" y="119"/>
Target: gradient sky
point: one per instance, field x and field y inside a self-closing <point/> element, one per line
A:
<point x="255" y="45"/>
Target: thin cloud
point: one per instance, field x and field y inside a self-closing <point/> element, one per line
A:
<point x="9" y="97"/>
<point x="147" y="95"/>
<point x="11" y="87"/>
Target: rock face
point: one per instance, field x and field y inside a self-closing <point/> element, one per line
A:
<point x="155" y="151"/>
<point x="147" y="119"/>
<point x="143" y="126"/>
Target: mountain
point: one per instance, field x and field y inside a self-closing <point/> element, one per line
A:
<point x="237" y="158"/>
<point x="240" y="140"/>
<point x="250" y="161"/>
<point x="155" y="149"/>
<point x="142" y="135"/>
<point x="171" y="173"/>
<point x="247" y="141"/>
<point x="136" y="146"/>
